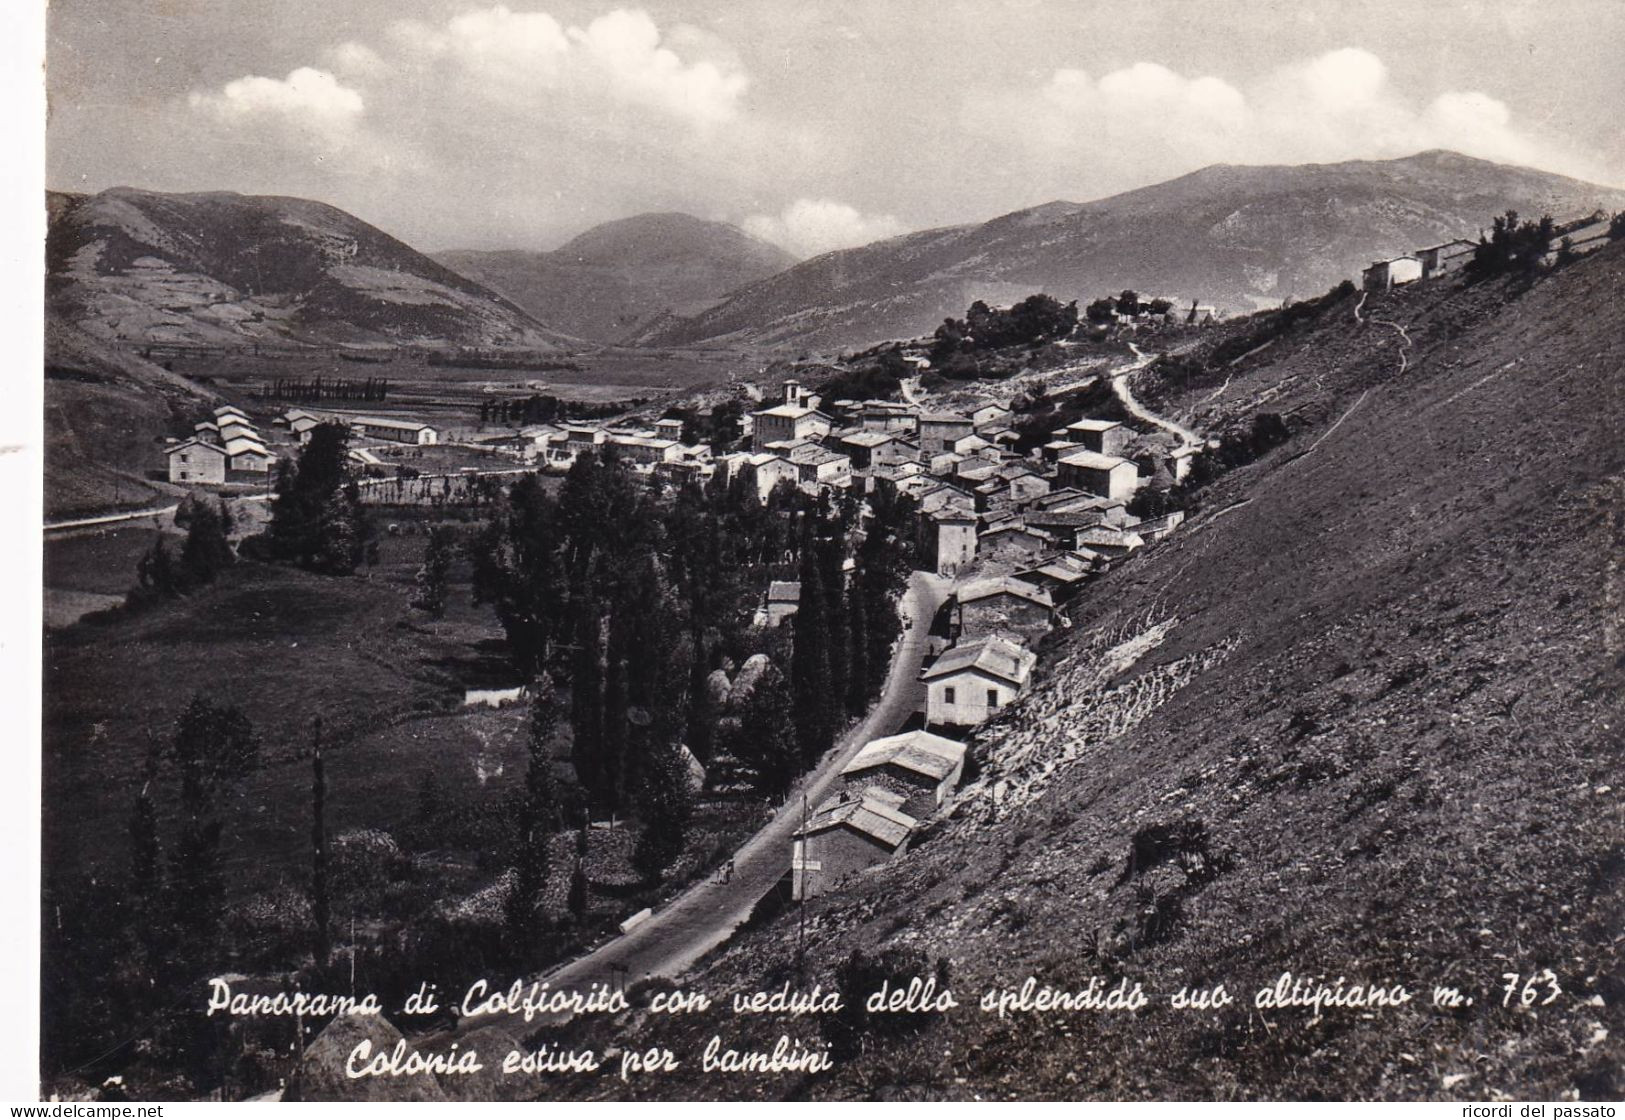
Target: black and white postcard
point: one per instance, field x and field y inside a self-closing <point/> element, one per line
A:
<point x="898" y="550"/>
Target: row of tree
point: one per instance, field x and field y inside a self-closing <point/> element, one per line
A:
<point x="631" y="595"/>
<point x="305" y="389"/>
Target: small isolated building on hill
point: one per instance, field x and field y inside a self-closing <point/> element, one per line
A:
<point x="973" y="681"/>
<point x="1448" y="257"/>
<point x="844" y="836"/>
<point x="196" y="461"/>
<point x="920" y="768"/>
<point x="1379" y="276"/>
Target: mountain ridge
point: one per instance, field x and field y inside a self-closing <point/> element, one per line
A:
<point x="219" y="267"/>
<point x="1239" y="236"/>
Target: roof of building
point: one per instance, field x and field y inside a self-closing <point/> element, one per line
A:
<point x="644" y="441"/>
<point x="307" y="421"/>
<point x="1447" y="244"/>
<point x="993" y="655"/>
<point x="868" y="814"/>
<point x="245" y="446"/>
<point x="184" y="444"/>
<point x="1093" y="426"/>
<point x="971" y="443"/>
<point x="1063" y="572"/>
<point x="1090" y="460"/>
<point x="230" y="410"/>
<point x="784" y="591"/>
<point x="1004" y="585"/>
<point x="865" y="438"/>
<point x="788" y="411"/>
<point x="943" y="418"/>
<point x="1121" y="538"/>
<point x="814" y="455"/>
<point x="364" y="457"/>
<point x="919" y="751"/>
<point x="386" y="422"/>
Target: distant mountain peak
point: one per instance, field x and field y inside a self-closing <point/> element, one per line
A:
<point x="615" y="279"/>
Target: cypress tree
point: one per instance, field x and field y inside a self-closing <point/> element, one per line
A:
<point x="587" y="697"/>
<point x="539" y="819"/>
<point x="318" y="848"/>
<point x="857" y="669"/>
<point x="615" y="754"/>
<point x="809" y="665"/>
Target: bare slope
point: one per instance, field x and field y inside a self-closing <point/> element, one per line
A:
<point x="105" y="411"/>
<point x="223" y="268"/>
<point x="612" y="280"/>
<point x="1374" y="684"/>
<point x="1237" y="237"/>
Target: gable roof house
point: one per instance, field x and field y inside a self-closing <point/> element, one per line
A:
<point x="1002" y="603"/>
<point x="917" y="766"/>
<point x="973" y="681"/>
<point x="819" y="466"/>
<point x="991" y="417"/>
<point x="1379" y="276"/>
<point x="1014" y="540"/>
<point x="246" y="454"/>
<point x="844" y="836"/>
<point x="939" y="431"/>
<point x="1106" y="476"/>
<point x="196" y="460"/>
<point x="1446" y="257"/>
<point x="1103" y="437"/>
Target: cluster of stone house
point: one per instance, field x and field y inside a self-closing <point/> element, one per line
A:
<point x="226" y="447"/>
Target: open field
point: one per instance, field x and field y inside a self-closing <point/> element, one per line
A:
<point x="450" y="396"/>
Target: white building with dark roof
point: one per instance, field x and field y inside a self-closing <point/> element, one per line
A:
<point x="1105" y="476"/>
<point x="196" y="461"/>
<point x="973" y="681"/>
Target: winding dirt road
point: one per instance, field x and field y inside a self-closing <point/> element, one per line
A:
<point x="706" y="915"/>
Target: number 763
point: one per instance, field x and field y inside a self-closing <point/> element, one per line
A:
<point x="1528" y="990"/>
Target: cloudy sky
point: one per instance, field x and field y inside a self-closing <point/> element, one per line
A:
<point x="816" y="124"/>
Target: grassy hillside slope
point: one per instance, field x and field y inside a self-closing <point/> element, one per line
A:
<point x="1375" y="684"/>
<point x="106" y="412"/>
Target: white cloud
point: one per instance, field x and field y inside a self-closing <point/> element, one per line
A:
<point x="532" y="59"/>
<point x="1145" y="123"/>
<point x="809" y="226"/>
<point x="305" y="97"/>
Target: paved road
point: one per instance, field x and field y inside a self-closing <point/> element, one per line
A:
<point x="706" y="915"/>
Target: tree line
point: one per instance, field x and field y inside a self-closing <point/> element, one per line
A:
<point x="325" y="389"/>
